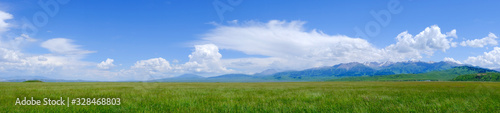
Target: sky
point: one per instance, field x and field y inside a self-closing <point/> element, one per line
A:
<point x="140" y="40"/>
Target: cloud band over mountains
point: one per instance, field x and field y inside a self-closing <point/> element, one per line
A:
<point x="285" y="45"/>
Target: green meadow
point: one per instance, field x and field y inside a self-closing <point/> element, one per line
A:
<point x="262" y="97"/>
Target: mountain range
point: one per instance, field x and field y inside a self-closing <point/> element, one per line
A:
<point x="436" y="70"/>
<point x="438" y="75"/>
<point x="367" y="71"/>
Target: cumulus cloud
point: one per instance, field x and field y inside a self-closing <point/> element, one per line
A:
<point x="448" y="59"/>
<point x="205" y="59"/>
<point x="63" y="46"/>
<point x="489" y="59"/>
<point x="8" y="55"/>
<point x="427" y="41"/>
<point x="489" y="40"/>
<point x="153" y="66"/>
<point x="288" y="44"/>
<point x="106" y="64"/>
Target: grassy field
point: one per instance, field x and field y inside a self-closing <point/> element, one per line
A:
<point x="263" y="97"/>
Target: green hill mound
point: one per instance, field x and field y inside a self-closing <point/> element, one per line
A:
<point x="33" y="81"/>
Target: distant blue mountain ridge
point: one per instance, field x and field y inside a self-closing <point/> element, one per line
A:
<point x="353" y="69"/>
<point x="367" y="69"/>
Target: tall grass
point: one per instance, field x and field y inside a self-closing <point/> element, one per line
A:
<point x="263" y="97"/>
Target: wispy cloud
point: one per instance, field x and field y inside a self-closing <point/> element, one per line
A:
<point x="426" y="42"/>
<point x="205" y="59"/>
<point x="64" y="46"/>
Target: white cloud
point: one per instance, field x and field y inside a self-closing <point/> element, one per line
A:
<point x="489" y="40"/>
<point x="451" y="60"/>
<point x="63" y="46"/>
<point x="286" y="44"/>
<point x="106" y="64"/>
<point x="153" y="66"/>
<point x="65" y="64"/>
<point x="205" y="59"/>
<point x="17" y="42"/>
<point x="4" y="25"/>
<point x="454" y="44"/>
<point x="9" y="55"/>
<point x="452" y="33"/>
<point x="62" y="67"/>
<point x="488" y="59"/>
<point x="427" y="41"/>
<point x="288" y="40"/>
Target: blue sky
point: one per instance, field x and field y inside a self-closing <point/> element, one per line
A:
<point x="166" y="38"/>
